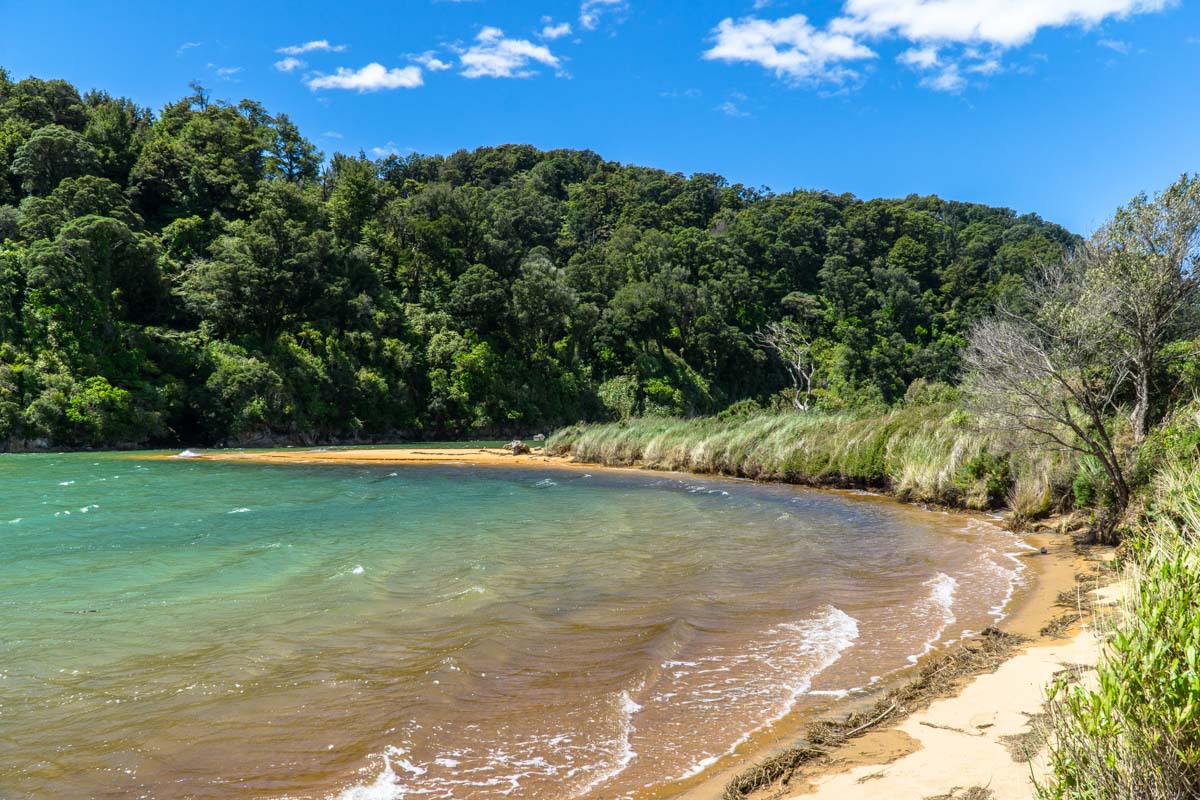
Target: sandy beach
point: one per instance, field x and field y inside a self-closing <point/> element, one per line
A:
<point x="942" y="749"/>
<point x="484" y="456"/>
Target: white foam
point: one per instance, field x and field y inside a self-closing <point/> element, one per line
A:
<point x="817" y="643"/>
<point x="384" y="787"/>
<point x="240" y="511"/>
<point x="403" y="763"/>
<point x="67" y="483"/>
<point x="358" y="570"/>
<point x="1013" y="576"/>
<point x="189" y="453"/>
<point x="627" y="707"/>
<point x="940" y="602"/>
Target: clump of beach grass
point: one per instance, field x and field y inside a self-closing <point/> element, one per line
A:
<point x="929" y="454"/>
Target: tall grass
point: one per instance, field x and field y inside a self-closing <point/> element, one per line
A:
<point x="1135" y="734"/>
<point x="922" y="453"/>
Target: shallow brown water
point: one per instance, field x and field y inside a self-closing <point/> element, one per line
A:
<point x="350" y="632"/>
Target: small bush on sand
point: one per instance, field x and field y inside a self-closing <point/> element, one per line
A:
<point x="1136" y="732"/>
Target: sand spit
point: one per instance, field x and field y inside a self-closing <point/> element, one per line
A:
<point x="492" y="457"/>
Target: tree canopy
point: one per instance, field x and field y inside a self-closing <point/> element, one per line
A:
<point x="204" y="274"/>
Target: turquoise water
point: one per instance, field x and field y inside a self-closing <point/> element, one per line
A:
<point x="178" y="629"/>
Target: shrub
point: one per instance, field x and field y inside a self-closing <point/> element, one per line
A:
<point x="1136" y="734"/>
<point x="930" y="393"/>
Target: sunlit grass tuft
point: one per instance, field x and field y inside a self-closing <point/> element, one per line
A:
<point x="923" y="454"/>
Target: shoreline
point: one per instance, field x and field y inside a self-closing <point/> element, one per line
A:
<point x="382" y="456"/>
<point x="906" y="754"/>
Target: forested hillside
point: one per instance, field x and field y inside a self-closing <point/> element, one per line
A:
<point x="204" y="274"/>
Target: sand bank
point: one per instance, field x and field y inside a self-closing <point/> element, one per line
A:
<point x="483" y="456"/>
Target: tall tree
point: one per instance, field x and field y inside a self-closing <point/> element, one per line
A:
<point x="1049" y="366"/>
<point x="1143" y="273"/>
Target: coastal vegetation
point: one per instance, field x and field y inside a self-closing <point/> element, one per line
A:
<point x="203" y="274"/>
<point x="933" y="453"/>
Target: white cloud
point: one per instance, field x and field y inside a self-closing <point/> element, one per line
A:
<point x="331" y="135"/>
<point x="389" y="149"/>
<point x="186" y="46"/>
<point x="372" y="77"/>
<point x="948" y="79"/>
<point x="1005" y="23"/>
<point x="790" y="47"/>
<point x="227" y="73"/>
<point x="949" y="76"/>
<point x="920" y="57"/>
<point x="731" y="109"/>
<point x="431" y="62"/>
<point x="289" y="64"/>
<point x="988" y="66"/>
<point x="308" y="47"/>
<point x="495" y="56"/>
<point x="590" y="11"/>
<point x="944" y="37"/>
<point x="551" y="31"/>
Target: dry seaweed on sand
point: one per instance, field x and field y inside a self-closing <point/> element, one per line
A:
<point x="936" y="678"/>
<point x="1024" y="746"/>
<point x="776" y="769"/>
<point x="1057" y="628"/>
<point x="973" y="793"/>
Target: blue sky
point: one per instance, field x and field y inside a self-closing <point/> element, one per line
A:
<point x="1061" y="107"/>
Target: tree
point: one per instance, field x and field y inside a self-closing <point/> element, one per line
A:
<point x="479" y="299"/>
<point x="117" y="128"/>
<point x="542" y="301"/>
<point x="51" y="154"/>
<point x="1143" y="274"/>
<point x="1048" y="366"/>
<point x="293" y="158"/>
<point x="788" y="340"/>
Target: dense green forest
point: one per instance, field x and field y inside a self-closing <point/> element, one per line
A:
<point x="204" y="274"/>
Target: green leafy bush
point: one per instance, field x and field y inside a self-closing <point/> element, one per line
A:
<point x="1135" y="733"/>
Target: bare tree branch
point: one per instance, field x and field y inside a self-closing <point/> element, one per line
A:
<point x="793" y="346"/>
